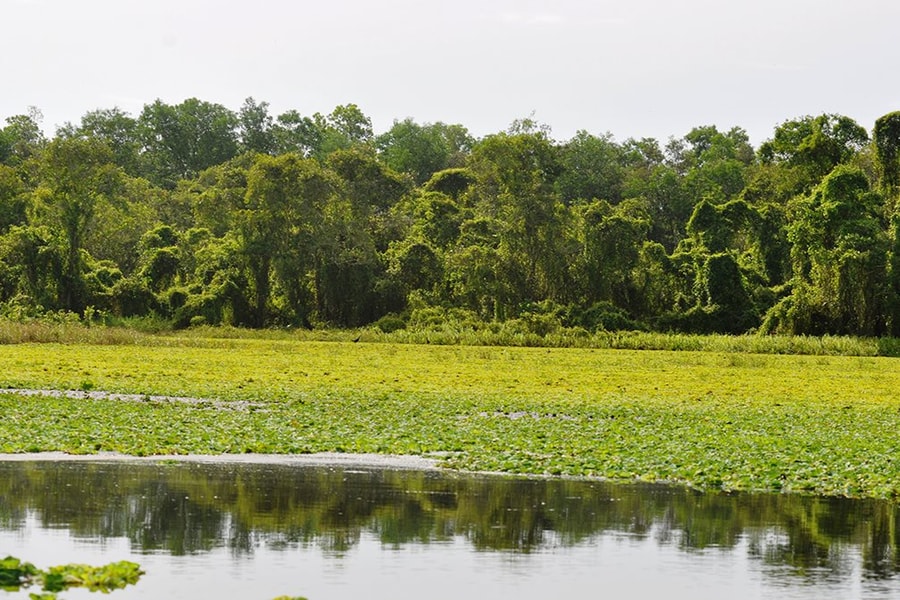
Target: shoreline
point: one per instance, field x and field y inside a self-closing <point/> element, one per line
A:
<point x="382" y="461"/>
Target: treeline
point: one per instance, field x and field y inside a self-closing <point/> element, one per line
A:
<point x="193" y="213"/>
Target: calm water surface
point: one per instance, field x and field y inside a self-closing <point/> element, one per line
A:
<point x="256" y="531"/>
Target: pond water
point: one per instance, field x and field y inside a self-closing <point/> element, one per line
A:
<point x="257" y="531"/>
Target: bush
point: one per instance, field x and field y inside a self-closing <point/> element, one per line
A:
<point x="603" y="316"/>
<point x="390" y="323"/>
<point x="132" y="297"/>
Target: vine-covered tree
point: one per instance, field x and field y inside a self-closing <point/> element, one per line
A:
<point x="886" y="136"/>
<point x="76" y="176"/>
<point x="198" y="214"/>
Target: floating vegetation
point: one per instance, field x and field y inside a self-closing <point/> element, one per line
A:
<point x="812" y="424"/>
<point x="16" y="574"/>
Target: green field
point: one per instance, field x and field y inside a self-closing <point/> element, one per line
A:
<point x="723" y="420"/>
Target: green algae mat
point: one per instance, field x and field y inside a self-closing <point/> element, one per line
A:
<point x="826" y="425"/>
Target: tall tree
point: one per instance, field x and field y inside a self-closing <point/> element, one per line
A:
<point x="22" y="137"/>
<point x="183" y="139"/>
<point x="592" y="169"/>
<point x="350" y="122"/>
<point x="886" y="136"/>
<point x="76" y="175"/>
<point x="840" y="260"/>
<point x="611" y="239"/>
<point x="422" y="150"/>
<point x="514" y="177"/>
<point x="13" y="200"/>
<point x="814" y="145"/>
<point x="320" y="135"/>
<point x="281" y="227"/>
<point x="713" y="162"/>
<point x="115" y="128"/>
<point x="292" y="132"/>
<point x="256" y="127"/>
<point x="369" y="184"/>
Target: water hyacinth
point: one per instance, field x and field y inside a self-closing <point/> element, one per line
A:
<point x="817" y="424"/>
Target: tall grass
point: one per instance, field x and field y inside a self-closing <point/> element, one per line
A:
<point x="142" y="332"/>
<point x="12" y="332"/>
<point x="640" y="340"/>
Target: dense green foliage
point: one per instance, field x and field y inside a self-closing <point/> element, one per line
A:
<point x="193" y="213"/>
<point x="734" y="421"/>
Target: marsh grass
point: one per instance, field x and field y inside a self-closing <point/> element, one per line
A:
<point x="639" y="340"/>
<point x="67" y="332"/>
<point x="156" y="332"/>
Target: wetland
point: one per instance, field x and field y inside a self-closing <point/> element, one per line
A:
<point x="257" y="467"/>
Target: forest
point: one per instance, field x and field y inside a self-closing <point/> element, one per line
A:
<point x="193" y="213"/>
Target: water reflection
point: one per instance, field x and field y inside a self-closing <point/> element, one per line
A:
<point x="191" y="508"/>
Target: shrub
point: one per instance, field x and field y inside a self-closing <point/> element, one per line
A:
<point x="390" y="323"/>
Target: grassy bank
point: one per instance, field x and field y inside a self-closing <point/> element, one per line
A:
<point x="735" y="421"/>
<point x="69" y="329"/>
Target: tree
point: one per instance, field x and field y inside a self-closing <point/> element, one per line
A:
<point x="256" y="127"/>
<point x="814" y="145"/>
<point x="115" y="128"/>
<point x="453" y="182"/>
<point x="886" y="136"/>
<point x="181" y="140"/>
<point x="31" y="268"/>
<point x="669" y="203"/>
<point x="840" y="261"/>
<point x="514" y="176"/>
<point x="474" y="270"/>
<point x="350" y="122"/>
<point x="160" y="258"/>
<point x="724" y="306"/>
<point x="22" y="137"/>
<point x="76" y="175"/>
<point x="611" y="240"/>
<point x="368" y="184"/>
<point x="116" y="227"/>
<point x="295" y="133"/>
<point x="714" y="163"/>
<point x="651" y="179"/>
<point x="893" y="300"/>
<point x="281" y="226"/>
<point x="13" y="200"/>
<point x="436" y="217"/>
<point x="422" y="150"/>
<point x="320" y="135"/>
<point x="345" y="127"/>
<point x="706" y="144"/>
<point x="592" y="169"/>
<point x="416" y="265"/>
<point x="350" y="276"/>
<point x="217" y="193"/>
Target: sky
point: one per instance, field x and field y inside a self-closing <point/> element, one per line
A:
<point x="633" y="69"/>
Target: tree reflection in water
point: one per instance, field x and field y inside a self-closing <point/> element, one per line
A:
<point x="185" y="508"/>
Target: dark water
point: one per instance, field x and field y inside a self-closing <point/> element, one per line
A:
<point x="258" y="531"/>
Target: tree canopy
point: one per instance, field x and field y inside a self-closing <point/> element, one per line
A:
<point x="195" y="213"/>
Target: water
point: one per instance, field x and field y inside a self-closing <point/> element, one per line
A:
<point x="257" y="531"/>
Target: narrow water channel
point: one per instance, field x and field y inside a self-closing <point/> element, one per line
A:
<point x="257" y="531"/>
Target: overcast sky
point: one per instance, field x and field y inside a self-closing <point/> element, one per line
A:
<point x="634" y="68"/>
